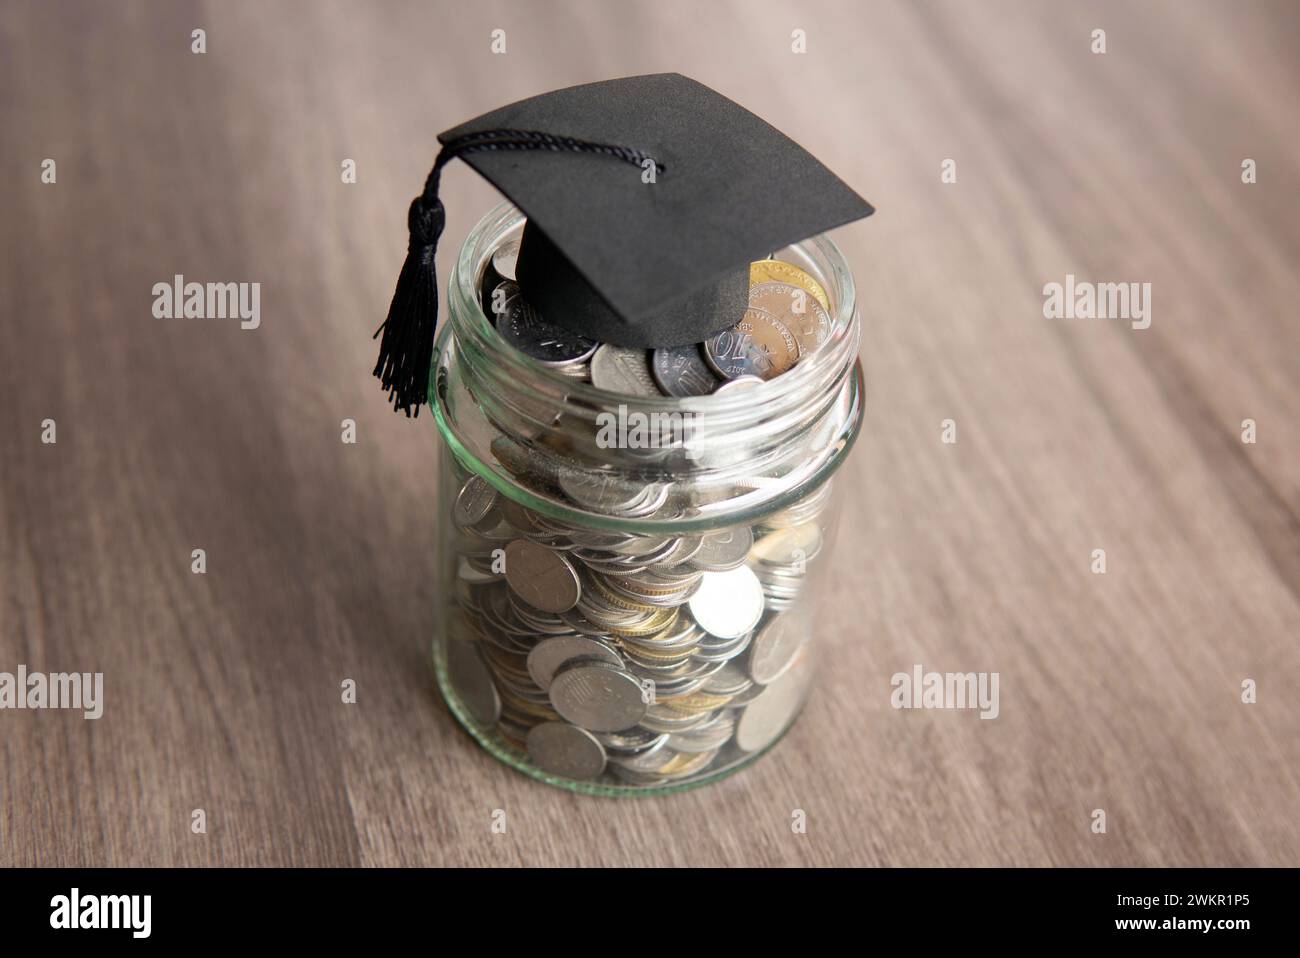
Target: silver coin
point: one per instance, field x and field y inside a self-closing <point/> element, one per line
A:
<point x="647" y="761"/>
<point x="728" y="604"/>
<point x="542" y="578"/>
<point x="759" y="345"/>
<point x="474" y="502"/>
<point x="598" y="697"/>
<point x="635" y="741"/>
<point x="565" y="750"/>
<point x="775" y="647"/>
<point x="793" y="544"/>
<point x="643" y="546"/>
<point x="724" y="550"/>
<point x="797" y="310"/>
<point x="728" y="680"/>
<point x="739" y="384"/>
<point x="765" y="718"/>
<point x="682" y="371"/>
<point x="523" y="328"/>
<point x="504" y="258"/>
<point x="549" y="655"/>
<point x="474" y="576"/>
<point x="669" y="721"/>
<point x="605" y="492"/>
<point x="470" y="677"/>
<point x="580" y="371"/>
<point x="620" y="369"/>
<point x="720" y="651"/>
<point x="708" y="737"/>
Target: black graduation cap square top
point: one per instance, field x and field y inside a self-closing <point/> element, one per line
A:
<point x="646" y="200"/>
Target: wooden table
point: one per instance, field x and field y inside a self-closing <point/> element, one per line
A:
<point x="1120" y="692"/>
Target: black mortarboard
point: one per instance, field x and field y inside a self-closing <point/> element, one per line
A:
<point x="646" y="200"/>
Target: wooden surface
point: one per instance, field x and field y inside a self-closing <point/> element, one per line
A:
<point x="1119" y="691"/>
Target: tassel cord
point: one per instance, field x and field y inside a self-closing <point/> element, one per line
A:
<point x="406" y="349"/>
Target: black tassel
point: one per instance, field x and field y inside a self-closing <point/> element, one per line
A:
<point x="406" y="350"/>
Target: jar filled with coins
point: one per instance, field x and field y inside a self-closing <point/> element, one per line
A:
<point x="633" y="544"/>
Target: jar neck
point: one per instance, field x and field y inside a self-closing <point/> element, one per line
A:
<point x="721" y="455"/>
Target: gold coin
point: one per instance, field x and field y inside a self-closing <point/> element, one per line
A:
<point x="796" y="309"/>
<point x="667" y="633"/>
<point x="621" y="602"/>
<point x="652" y="625"/>
<point x="655" y="655"/>
<point x="776" y="271"/>
<point x="759" y="345"/>
<point x="698" y="702"/>
<point x="679" y="706"/>
<point x="684" y="763"/>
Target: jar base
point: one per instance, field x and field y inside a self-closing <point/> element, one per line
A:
<point x="504" y="752"/>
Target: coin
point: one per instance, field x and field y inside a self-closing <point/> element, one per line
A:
<point x="708" y="737"/>
<point x="765" y="718"/>
<point x="542" y="578"/>
<point x="598" y="697"/>
<point x="758" y="345"/>
<point x="620" y="369"/>
<point x="775" y="646"/>
<point x="609" y="492"/>
<point x="638" y="741"/>
<point x="682" y="371"/>
<point x="579" y="371"/>
<point x="523" y="328"/>
<point x="728" y="604"/>
<point x="549" y="655"/>
<point x="472" y="681"/>
<point x="739" y="384"/>
<point x="566" y="750"/>
<point x="504" y="258"/>
<point x="474" y="503"/>
<point x="797" y="544"/>
<point x="796" y="311"/>
<point x="720" y="551"/>
<point x="648" y="761"/>
<point x="777" y="271"/>
<point x="728" y="681"/>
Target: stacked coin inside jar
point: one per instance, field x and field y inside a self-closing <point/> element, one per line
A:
<point x="786" y="320"/>
<point x="635" y="658"/>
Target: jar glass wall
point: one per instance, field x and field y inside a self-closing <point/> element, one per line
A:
<point x="629" y="587"/>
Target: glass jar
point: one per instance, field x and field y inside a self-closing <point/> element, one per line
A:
<point x="629" y="587"/>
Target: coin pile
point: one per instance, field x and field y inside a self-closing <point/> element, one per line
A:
<point x="645" y="659"/>
<point x="794" y="539"/>
<point x="787" y="319"/>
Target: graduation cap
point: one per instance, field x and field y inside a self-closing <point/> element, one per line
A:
<point x="646" y="200"/>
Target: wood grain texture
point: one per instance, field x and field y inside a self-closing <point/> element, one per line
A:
<point x="1119" y="691"/>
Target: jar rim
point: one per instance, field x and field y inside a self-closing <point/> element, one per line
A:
<point x="827" y="386"/>
<point x="467" y="315"/>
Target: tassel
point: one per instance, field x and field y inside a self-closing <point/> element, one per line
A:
<point x="406" y="349"/>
